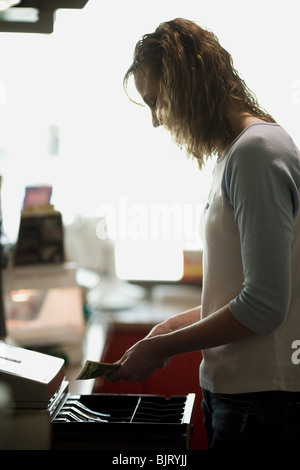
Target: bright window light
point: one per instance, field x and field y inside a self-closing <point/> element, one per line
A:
<point x="5" y="4"/>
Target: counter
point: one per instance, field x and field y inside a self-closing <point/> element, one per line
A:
<point x="107" y="336"/>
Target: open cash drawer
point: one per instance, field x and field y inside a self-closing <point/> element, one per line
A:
<point x="43" y="405"/>
<point x="114" y="422"/>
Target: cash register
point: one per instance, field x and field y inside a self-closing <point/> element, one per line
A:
<point x="36" y="385"/>
<point x="44" y="415"/>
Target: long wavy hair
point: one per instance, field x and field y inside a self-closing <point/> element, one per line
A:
<point x="197" y="84"/>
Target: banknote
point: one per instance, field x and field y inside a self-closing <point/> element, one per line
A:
<point x="94" y="369"/>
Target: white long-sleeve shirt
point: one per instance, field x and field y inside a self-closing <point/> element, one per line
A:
<point x="251" y="261"/>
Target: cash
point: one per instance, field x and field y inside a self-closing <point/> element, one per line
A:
<point x="93" y="369"/>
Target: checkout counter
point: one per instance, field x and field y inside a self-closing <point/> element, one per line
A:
<point x="47" y="407"/>
<point x="159" y="413"/>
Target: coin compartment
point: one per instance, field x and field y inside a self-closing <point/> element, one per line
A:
<point x="101" y="421"/>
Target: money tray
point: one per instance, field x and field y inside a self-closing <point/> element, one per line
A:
<point x="116" y="422"/>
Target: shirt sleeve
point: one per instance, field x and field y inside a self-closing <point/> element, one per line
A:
<point x="263" y="190"/>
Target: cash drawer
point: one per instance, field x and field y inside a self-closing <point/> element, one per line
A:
<point x="114" y="422"/>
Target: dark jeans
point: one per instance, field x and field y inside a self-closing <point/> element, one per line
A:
<point x="263" y="420"/>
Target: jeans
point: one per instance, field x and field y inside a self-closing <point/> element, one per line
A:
<point x="260" y="420"/>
